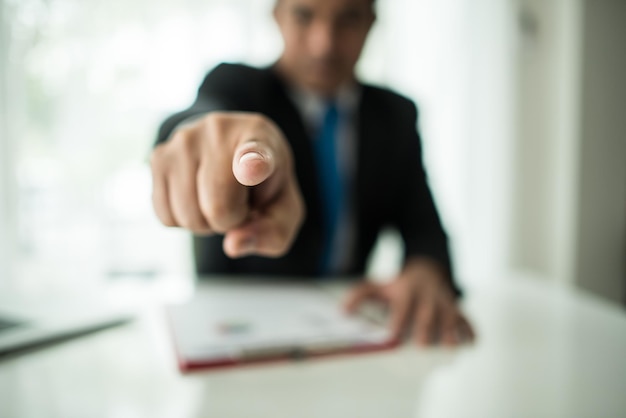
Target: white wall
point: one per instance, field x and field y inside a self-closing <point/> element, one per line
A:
<point x="491" y="110"/>
<point x="600" y="258"/>
<point x="569" y="202"/>
<point x="546" y="146"/>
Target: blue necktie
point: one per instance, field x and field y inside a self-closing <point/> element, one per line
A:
<point x="331" y="184"/>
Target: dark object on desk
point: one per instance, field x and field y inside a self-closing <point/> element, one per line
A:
<point x="8" y="323"/>
<point x="24" y="327"/>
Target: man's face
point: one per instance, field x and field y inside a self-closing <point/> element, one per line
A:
<point x="323" y="40"/>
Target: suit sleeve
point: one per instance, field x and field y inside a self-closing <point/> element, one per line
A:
<point x="417" y="217"/>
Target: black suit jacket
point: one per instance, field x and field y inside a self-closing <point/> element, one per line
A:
<point x="391" y="187"/>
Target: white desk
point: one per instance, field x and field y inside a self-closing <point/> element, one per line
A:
<point x="541" y="352"/>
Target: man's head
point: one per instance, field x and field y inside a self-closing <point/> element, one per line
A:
<point x="323" y="40"/>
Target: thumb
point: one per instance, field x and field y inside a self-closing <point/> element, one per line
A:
<point x="253" y="163"/>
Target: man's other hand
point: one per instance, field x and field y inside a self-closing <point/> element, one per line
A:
<point x="233" y="174"/>
<point x="420" y="301"/>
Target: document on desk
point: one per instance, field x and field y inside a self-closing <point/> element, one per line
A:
<point x="227" y="325"/>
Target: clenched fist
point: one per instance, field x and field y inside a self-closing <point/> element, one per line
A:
<point x="230" y="173"/>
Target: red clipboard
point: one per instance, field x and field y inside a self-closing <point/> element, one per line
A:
<point x="238" y="324"/>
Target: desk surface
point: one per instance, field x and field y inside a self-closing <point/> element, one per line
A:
<point x="542" y="352"/>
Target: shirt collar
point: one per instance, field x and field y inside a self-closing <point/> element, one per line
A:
<point x="312" y="106"/>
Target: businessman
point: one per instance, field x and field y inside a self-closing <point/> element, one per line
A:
<point x="294" y="169"/>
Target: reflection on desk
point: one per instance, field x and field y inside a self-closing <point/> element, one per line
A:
<point x="542" y="351"/>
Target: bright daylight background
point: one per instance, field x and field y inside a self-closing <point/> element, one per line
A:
<point x="85" y="83"/>
<point x="88" y="82"/>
